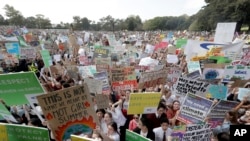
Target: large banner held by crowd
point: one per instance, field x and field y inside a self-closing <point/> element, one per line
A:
<point x="68" y="111"/>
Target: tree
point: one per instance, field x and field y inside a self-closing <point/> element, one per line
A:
<point x="2" y="20"/>
<point x="133" y="23"/>
<point x="30" y="22"/>
<point x="14" y="16"/>
<point x="108" y="23"/>
<point x="85" y="22"/>
<point x="77" y="22"/>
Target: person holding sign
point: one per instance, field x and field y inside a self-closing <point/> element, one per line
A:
<point x="162" y="133"/>
<point x="144" y="129"/>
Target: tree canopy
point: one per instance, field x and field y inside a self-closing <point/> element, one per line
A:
<point x="205" y="19"/>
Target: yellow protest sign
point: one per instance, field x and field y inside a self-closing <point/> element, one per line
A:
<point x="143" y="103"/>
<point x="3" y="133"/>
<point x="78" y="138"/>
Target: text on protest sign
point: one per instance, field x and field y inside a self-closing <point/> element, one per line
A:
<point x="241" y="72"/>
<point x="151" y="79"/>
<point x="103" y="77"/>
<point x="124" y="85"/>
<point x="197" y="132"/>
<point x="24" y="83"/>
<point x="185" y="85"/>
<point x="68" y="111"/>
<point x="143" y="103"/>
<point x="194" y="109"/>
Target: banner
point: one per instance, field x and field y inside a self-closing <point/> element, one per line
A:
<point x="194" y="109"/>
<point x="240" y="72"/>
<point x="12" y="48"/>
<point x="217" y="114"/>
<point x="14" y="87"/>
<point x="14" y="132"/>
<point x="151" y="79"/>
<point x="69" y="111"/>
<point x="132" y="136"/>
<point x="186" y="85"/>
<point x="143" y="103"/>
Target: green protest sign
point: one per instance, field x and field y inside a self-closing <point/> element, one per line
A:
<point x="14" y="87"/>
<point x="131" y="136"/>
<point x="181" y="42"/>
<point x="12" y="132"/>
<point x="5" y="113"/>
<point x="46" y="58"/>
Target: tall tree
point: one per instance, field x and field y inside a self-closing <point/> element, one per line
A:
<point x="15" y="17"/>
<point x="77" y="22"/>
<point x="85" y="22"/>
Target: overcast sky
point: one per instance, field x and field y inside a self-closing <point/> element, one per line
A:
<point x="64" y="10"/>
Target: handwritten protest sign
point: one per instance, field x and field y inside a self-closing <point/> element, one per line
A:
<point x="87" y="71"/>
<point x="243" y="92"/>
<point x="102" y="101"/>
<point x="12" y="48"/>
<point x="27" y="53"/>
<point x="103" y="77"/>
<point x="124" y="85"/>
<point x="69" y="111"/>
<point x="13" y="132"/>
<point x="95" y="86"/>
<point x="151" y="79"/>
<point x="25" y="83"/>
<point x="193" y="66"/>
<point x="143" y="103"/>
<point x="5" y="113"/>
<point x="217" y="113"/>
<point x="132" y="136"/>
<point x="198" y="132"/>
<point x="241" y="72"/>
<point x="194" y="109"/>
<point x="121" y="74"/>
<point x="173" y="74"/>
<point x="217" y="91"/>
<point x="186" y="85"/>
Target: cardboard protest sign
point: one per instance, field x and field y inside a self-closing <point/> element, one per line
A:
<point x="101" y="53"/>
<point x="217" y="113"/>
<point x="5" y="113"/>
<point x="14" y="132"/>
<point x="95" y="86"/>
<point x="103" y="77"/>
<point x="24" y="83"/>
<point x="132" y="136"/>
<point x="198" y="132"/>
<point x="186" y="85"/>
<point x="241" y="72"/>
<point x="87" y="71"/>
<point x="146" y="103"/>
<point x="217" y="91"/>
<point x="122" y="74"/>
<point x="151" y="79"/>
<point x="12" y="48"/>
<point x="102" y="101"/>
<point x="193" y="66"/>
<point x="69" y="111"/>
<point x="124" y="85"/>
<point x="239" y="83"/>
<point x="243" y="92"/>
<point x="173" y="74"/>
<point x="27" y="53"/>
<point x="194" y="109"/>
<point x="194" y="75"/>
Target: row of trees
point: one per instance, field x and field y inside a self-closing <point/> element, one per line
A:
<point x="206" y="19"/>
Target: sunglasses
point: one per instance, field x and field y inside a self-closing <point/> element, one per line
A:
<point x="136" y="117"/>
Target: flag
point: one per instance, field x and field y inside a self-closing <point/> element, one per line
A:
<point x="22" y="42"/>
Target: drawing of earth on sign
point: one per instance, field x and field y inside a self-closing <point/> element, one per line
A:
<point x="211" y="74"/>
<point x="78" y="127"/>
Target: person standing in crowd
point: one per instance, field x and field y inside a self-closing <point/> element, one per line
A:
<point x="162" y="133"/>
<point x="144" y="129"/>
